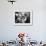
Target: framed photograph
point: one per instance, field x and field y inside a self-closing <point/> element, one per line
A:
<point x="23" y="18"/>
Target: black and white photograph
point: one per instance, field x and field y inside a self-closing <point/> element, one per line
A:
<point x="23" y="18"/>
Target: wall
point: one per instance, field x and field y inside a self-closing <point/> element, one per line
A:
<point x="9" y="31"/>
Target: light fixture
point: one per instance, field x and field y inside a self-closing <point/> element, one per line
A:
<point x="12" y="1"/>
